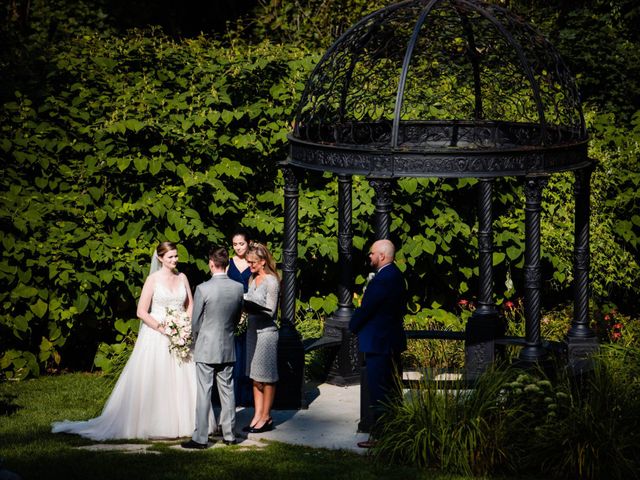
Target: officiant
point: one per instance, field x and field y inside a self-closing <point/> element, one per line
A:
<point x="261" y="303"/>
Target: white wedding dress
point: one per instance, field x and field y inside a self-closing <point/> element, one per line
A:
<point x="155" y="396"/>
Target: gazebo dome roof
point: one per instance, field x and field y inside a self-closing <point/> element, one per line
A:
<point x="448" y="88"/>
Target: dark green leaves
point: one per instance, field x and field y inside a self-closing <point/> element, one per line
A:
<point x="128" y="141"/>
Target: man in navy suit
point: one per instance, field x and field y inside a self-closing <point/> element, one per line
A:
<point x="378" y="324"/>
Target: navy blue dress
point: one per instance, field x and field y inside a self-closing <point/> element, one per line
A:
<point x="242" y="383"/>
<point x="243" y="277"/>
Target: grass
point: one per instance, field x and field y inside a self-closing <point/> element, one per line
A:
<point x="28" y="447"/>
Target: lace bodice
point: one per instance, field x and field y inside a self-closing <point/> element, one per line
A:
<point x="164" y="298"/>
<point x="265" y="294"/>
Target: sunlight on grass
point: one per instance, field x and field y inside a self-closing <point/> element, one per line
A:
<point x="27" y="408"/>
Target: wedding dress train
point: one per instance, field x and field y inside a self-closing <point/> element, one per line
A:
<point x="155" y="396"/>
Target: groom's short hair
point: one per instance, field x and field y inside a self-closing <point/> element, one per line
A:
<point x="219" y="257"/>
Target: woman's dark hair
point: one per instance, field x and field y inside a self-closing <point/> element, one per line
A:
<point x="244" y="233"/>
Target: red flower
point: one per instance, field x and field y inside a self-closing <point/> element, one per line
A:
<point x="607" y="318"/>
<point x="508" y="305"/>
<point x="617" y="326"/>
<point x="462" y="302"/>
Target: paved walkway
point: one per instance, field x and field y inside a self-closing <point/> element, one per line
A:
<point x="331" y="421"/>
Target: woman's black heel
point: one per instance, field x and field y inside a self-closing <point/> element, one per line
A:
<point x="266" y="427"/>
<point x="248" y="428"/>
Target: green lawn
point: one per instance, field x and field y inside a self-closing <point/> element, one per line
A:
<point x="29" y="448"/>
<point x="27" y="408"/>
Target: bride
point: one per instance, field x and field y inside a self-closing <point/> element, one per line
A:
<point x="155" y="396"/>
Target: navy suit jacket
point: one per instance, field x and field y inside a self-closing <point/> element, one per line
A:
<point x="378" y="321"/>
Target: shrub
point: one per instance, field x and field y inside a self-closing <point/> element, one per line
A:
<point x="594" y="431"/>
<point x="434" y="354"/>
<point x="524" y="422"/>
<point x="447" y="426"/>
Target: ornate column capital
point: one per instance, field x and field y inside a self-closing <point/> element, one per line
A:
<point x="533" y="188"/>
<point x="383" y="188"/>
<point x="291" y="177"/>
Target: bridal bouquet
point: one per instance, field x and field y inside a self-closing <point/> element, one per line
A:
<point x="177" y="326"/>
<point x="241" y="326"/>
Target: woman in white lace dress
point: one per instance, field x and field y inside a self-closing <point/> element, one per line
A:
<point x="155" y="395"/>
<point x="262" y="335"/>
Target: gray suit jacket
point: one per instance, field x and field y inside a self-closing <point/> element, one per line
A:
<point x="217" y="306"/>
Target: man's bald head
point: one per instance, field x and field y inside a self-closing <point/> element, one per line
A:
<point x="382" y="253"/>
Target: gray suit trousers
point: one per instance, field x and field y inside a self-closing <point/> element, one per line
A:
<point x="223" y="375"/>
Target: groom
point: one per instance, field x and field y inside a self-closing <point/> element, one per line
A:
<point x="378" y="324"/>
<point x="217" y="306"/>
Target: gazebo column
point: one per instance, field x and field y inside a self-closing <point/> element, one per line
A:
<point x="533" y="351"/>
<point x="344" y="369"/>
<point x="484" y="326"/>
<point x="289" y="393"/>
<point x="581" y="340"/>
<point x="383" y="188"/>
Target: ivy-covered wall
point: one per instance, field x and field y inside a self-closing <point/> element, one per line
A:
<point x="112" y="142"/>
<point x="126" y="141"/>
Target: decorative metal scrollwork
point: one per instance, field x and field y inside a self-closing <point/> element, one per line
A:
<point x="441" y="77"/>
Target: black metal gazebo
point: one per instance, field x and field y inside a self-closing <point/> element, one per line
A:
<point x="443" y="88"/>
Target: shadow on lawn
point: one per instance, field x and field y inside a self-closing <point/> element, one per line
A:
<point x="7" y="405"/>
<point x="52" y="462"/>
